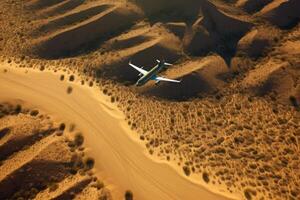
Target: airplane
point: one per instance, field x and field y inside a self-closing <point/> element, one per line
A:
<point x="151" y="75"/>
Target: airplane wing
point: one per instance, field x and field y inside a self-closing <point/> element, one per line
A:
<point x="138" y="69"/>
<point x="166" y="79"/>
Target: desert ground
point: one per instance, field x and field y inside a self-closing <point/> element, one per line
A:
<point x="73" y="125"/>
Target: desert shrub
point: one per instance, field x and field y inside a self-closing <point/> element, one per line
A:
<point x="34" y="112"/>
<point x="248" y="194"/>
<point x="62" y="77"/>
<point x="69" y="90"/>
<point x="89" y="163"/>
<point x="205" y="177"/>
<point x="18" y="109"/>
<point x="168" y="158"/>
<point x="62" y="126"/>
<point x="186" y="170"/>
<point x="79" y="139"/>
<point x="112" y="99"/>
<point x="73" y="171"/>
<point x="72" y="78"/>
<point x="128" y="195"/>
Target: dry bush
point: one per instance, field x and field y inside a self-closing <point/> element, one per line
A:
<point x="78" y="139"/>
<point x="89" y="163"/>
<point x="34" y="112"/>
<point x="72" y="78"/>
<point x="62" y="77"/>
<point x="69" y="90"/>
<point x="128" y="195"/>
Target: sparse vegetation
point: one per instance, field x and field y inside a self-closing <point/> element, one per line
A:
<point x="128" y="195"/>
<point x="72" y="78"/>
<point x="205" y="177"/>
<point x="18" y="109"/>
<point x="34" y="112"/>
<point x="227" y="127"/>
<point x="186" y="170"/>
<point x="78" y="140"/>
<point x="62" y="126"/>
<point x="89" y="163"/>
<point x="69" y="90"/>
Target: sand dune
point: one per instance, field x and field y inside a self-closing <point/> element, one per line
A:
<point x="140" y="46"/>
<point x="199" y="77"/>
<point x="282" y="13"/>
<point x="83" y="33"/>
<point x="257" y="42"/>
<point x="252" y="5"/>
<point x="239" y="98"/>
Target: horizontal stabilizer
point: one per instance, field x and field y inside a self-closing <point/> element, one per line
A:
<point x="168" y="64"/>
<point x="166" y="79"/>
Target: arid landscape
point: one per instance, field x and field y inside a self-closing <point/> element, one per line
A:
<point x="73" y="124"/>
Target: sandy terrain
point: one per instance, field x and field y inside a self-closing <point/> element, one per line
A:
<point x="40" y="159"/>
<point x="123" y="160"/>
<point x="238" y="102"/>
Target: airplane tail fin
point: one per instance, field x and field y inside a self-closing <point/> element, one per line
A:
<point x="165" y="63"/>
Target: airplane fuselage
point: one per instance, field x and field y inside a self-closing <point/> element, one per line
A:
<point x="150" y="75"/>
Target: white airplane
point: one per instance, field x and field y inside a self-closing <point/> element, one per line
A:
<point x="151" y="75"/>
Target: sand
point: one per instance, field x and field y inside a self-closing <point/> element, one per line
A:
<point x="239" y="98"/>
<point x="40" y="159"/>
<point x="121" y="159"/>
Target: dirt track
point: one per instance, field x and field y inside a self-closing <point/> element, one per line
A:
<point x="121" y="159"/>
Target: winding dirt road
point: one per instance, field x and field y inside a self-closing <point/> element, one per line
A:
<point x="121" y="159"/>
